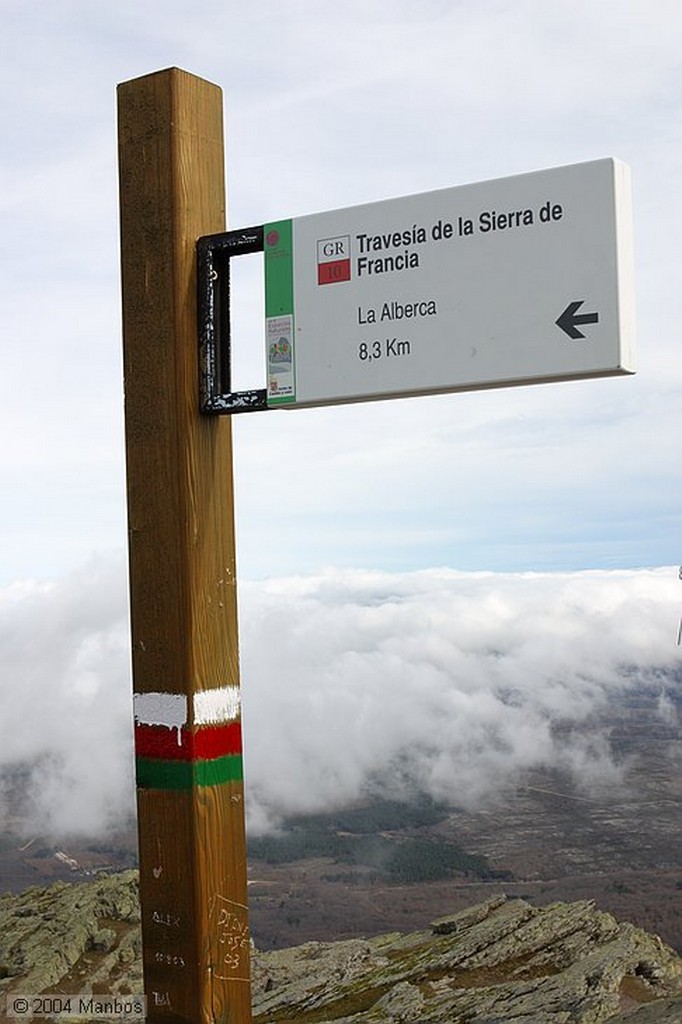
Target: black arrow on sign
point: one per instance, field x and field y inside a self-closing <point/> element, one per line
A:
<point x="570" y="318"/>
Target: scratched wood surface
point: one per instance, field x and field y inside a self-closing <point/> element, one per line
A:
<point x="181" y="544"/>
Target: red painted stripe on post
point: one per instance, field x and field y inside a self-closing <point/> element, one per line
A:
<point x="201" y="744"/>
<point x="217" y="741"/>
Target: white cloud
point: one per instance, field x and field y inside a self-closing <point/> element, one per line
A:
<point x="65" y="705"/>
<point x="357" y="681"/>
<point x="353" y="682"/>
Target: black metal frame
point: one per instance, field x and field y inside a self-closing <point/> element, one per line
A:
<point x="214" y="253"/>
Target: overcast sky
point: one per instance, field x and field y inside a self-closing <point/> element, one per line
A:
<point x="329" y="106"/>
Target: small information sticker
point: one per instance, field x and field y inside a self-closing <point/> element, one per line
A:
<point x="515" y="281"/>
<point x="280" y="356"/>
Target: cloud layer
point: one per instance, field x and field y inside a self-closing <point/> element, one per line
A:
<point x="354" y="683"/>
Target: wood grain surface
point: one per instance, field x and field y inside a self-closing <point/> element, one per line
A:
<point x="181" y="544"/>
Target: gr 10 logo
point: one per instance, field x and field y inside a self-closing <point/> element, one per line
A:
<point x="333" y="259"/>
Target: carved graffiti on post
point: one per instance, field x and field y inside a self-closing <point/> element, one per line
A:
<point x="229" y="939"/>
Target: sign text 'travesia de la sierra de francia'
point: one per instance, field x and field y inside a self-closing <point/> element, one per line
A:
<point x="514" y="281"/>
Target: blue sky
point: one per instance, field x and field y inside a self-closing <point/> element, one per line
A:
<point x="327" y="107"/>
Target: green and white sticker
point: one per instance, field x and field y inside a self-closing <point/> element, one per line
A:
<point x="279" y="313"/>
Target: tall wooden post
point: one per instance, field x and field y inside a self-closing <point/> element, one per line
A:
<point x="182" y="564"/>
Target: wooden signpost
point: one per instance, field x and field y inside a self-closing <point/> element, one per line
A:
<point x="182" y="565"/>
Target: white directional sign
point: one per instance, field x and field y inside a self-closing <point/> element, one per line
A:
<point x="515" y="281"/>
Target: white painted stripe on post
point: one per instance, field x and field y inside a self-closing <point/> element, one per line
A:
<point x="165" y="709"/>
<point x="211" y="707"/>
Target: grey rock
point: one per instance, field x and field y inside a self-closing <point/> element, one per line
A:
<point x="499" y="962"/>
<point x="465" y="918"/>
<point x="663" y="1011"/>
<point x="103" y="941"/>
<point x="47" y="933"/>
<point x="403" y="1002"/>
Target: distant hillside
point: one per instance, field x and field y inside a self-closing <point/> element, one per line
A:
<point x="502" y="960"/>
<point x="381" y="841"/>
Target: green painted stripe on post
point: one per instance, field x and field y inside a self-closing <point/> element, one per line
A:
<point x="219" y="771"/>
<point x="279" y="268"/>
<point x="182" y="775"/>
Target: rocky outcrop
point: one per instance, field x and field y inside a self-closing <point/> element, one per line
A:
<point x="70" y="937"/>
<point x="502" y="961"/>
